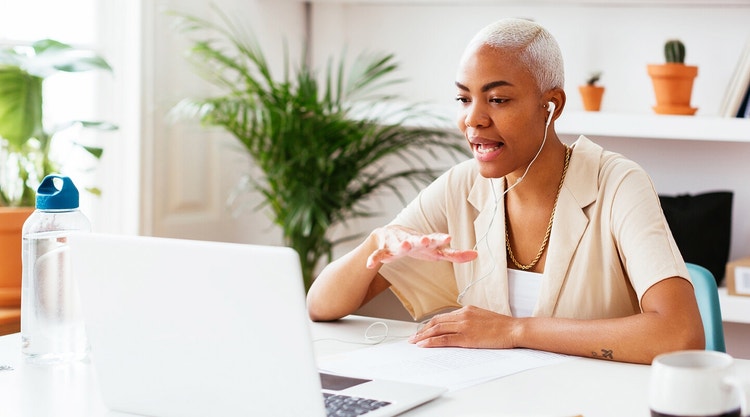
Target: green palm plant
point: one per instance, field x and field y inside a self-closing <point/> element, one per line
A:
<point x="324" y="147"/>
<point x="25" y="142"/>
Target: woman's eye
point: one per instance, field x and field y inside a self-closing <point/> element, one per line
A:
<point x="498" y="100"/>
<point x="462" y="99"/>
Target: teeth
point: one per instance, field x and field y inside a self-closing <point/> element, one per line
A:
<point x="486" y="148"/>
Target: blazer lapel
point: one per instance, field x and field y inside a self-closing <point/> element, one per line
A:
<point x="579" y="191"/>
<point x="489" y="279"/>
<point x="564" y="239"/>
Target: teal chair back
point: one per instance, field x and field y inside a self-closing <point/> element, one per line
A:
<point x="708" y="302"/>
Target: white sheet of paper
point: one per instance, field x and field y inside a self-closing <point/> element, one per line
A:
<point x="453" y="368"/>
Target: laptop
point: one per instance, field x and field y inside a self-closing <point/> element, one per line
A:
<point x="186" y="328"/>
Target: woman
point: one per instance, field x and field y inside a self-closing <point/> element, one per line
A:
<point x="571" y="251"/>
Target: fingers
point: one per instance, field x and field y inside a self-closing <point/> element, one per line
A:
<point x="437" y="334"/>
<point x="403" y="248"/>
<point x="384" y="255"/>
<point x="436" y="240"/>
<point x="441" y="330"/>
<point x="397" y="242"/>
<point x="445" y="254"/>
<point x="443" y="340"/>
<point x="459" y="256"/>
<point x="470" y="327"/>
<point x="376" y="258"/>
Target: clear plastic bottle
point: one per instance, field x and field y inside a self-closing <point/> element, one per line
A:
<point x="52" y="328"/>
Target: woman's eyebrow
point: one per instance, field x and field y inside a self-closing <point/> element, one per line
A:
<point x="486" y="87"/>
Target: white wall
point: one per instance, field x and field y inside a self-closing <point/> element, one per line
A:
<point x="618" y="40"/>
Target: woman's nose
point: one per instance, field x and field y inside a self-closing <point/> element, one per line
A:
<point x="475" y="117"/>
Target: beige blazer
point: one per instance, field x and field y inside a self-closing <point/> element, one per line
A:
<point x="609" y="242"/>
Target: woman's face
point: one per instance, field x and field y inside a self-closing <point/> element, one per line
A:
<point x="501" y="110"/>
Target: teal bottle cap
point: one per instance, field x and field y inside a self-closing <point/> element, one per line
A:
<point x="56" y="192"/>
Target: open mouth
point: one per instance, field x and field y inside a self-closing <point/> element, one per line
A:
<point x="485" y="148"/>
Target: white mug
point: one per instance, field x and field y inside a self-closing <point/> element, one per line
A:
<point x="696" y="383"/>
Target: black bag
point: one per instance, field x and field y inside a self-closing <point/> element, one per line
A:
<point x="701" y="225"/>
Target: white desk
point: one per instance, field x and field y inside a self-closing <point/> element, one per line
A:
<point x="581" y="386"/>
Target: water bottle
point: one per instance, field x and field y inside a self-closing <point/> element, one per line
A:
<point x="52" y="329"/>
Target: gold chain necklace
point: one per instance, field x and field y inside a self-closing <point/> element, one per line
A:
<point x="549" y="226"/>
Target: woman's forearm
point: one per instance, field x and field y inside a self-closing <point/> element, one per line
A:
<point x="637" y="339"/>
<point x="345" y="285"/>
<point x="667" y="323"/>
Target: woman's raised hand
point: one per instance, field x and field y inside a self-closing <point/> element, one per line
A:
<point x="396" y="242"/>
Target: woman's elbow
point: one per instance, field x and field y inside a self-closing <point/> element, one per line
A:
<point x="324" y="305"/>
<point x="322" y="315"/>
<point x="319" y="310"/>
<point x="694" y="339"/>
<point x="690" y="337"/>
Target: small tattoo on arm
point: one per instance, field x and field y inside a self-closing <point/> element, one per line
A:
<point x="605" y="354"/>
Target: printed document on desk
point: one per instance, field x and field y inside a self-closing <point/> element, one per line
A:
<point x="453" y="368"/>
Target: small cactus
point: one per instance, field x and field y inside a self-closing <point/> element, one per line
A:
<point x="593" y="78"/>
<point x="674" y="51"/>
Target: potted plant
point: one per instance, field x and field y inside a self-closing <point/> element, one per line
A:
<point x="673" y="81"/>
<point x="324" y="147"/>
<point x="25" y="142"/>
<point x="592" y="94"/>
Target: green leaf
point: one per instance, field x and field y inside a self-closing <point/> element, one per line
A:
<point x="72" y="63"/>
<point x="95" y="151"/>
<point x="20" y="105"/>
<point x="49" y="45"/>
<point x="98" y="125"/>
<point x="10" y="57"/>
<point x="50" y="56"/>
<point x="94" y="190"/>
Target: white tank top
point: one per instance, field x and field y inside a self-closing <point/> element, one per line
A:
<point x="523" y="291"/>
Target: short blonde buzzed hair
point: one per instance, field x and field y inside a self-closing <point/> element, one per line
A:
<point x="539" y="50"/>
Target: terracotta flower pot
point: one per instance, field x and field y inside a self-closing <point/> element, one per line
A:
<point x="591" y="96"/>
<point x="673" y="87"/>
<point x="11" y="223"/>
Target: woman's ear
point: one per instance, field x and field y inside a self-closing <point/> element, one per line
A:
<point x="557" y="97"/>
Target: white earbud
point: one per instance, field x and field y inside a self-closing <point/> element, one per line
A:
<point x="551" y="109"/>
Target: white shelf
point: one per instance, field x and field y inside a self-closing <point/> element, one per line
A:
<point x="653" y="126"/>
<point x="734" y="308"/>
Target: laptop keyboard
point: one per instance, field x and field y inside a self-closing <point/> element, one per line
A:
<point x="338" y="405"/>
